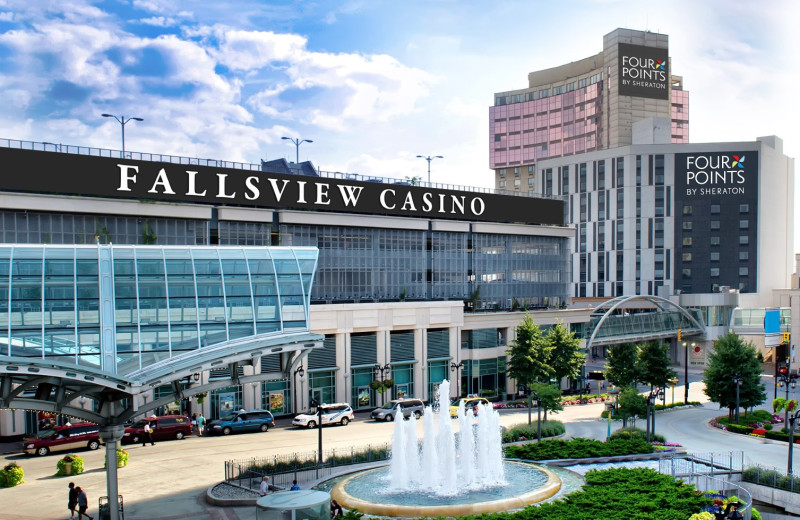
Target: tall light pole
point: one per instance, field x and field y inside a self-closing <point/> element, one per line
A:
<point x="454" y="367"/>
<point x="686" y="347"/>
<point x="122" y="120"/>
<point x="297" y="142"/>
<point x="737" y="380"/>
<point x="429" y="159"/>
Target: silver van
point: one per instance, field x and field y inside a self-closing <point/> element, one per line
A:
<point x="389" y="410"/>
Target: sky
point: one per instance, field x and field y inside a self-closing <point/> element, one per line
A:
<point x="373" y="83"/>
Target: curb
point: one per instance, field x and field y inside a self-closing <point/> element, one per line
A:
<point x="228" y="502"/>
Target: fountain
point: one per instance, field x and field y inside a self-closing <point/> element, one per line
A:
<point x="447" y="473"/>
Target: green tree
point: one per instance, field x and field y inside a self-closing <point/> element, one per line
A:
<point x="566" y="357"/>
<point x="631" y="404"/>
<point x="621" y="368"/>
<point x="653" y="365"/>
<point x="732" y="356"/>
<point x="529" y="354"/>
<point x="549" y="397"/>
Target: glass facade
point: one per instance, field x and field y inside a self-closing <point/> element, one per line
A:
<point x="166" y="300"/>
<point x="484" y="377"/>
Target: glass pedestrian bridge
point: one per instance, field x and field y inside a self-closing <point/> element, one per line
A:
<point x="128" y="318"/>
<point x="614" y="322"/>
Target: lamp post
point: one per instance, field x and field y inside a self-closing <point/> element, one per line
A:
<point x="297" y="142"/>
<point x="429" y="158"/>
<point x="299" y="370"/>
<point x="795" y="415"/>
<point x="454" y="367"/>
<point x="538" y="414"/>
<point x="737" y="380"/>
<point x="686" y="347"/>
<point x="655" y="393"/>
<point x="379" y="371"/>
<point x="317" y="404"/>
<point x="615" y="394"/>
<point x="786" y="379"/>
<point x="122" y="120"/>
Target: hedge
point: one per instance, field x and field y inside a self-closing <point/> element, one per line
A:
<point x="578" y="448"/>
<point x="521" y="432"/>
<point x="630" y="432"/>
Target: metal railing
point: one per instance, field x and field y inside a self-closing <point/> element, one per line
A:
<point x="771" y="477"/>
<point x="713" y="464"/>
<point x="705" y="483"/>
<point x="303" y="467"/>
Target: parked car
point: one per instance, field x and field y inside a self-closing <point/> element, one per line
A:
<point x="241" y="421"/>
<point x="336" y="413"/>
<point x="388" y="411"/>
<point x="63" y="438"/>
<point x="467" y="402"/>
<point x="164" y="427"/>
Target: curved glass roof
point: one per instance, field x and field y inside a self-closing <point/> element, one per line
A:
<point x="123" y="308"/>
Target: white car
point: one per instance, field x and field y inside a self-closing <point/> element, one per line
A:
<point x="336" y="413"/>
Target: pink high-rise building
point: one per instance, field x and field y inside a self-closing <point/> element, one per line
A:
<point x="586" y="105"/>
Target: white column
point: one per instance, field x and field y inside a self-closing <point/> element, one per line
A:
<point x="421" y="366"/>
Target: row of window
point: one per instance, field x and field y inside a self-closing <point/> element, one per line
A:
<point x="688" y="225"/>
<point x="715" y="209"/>
<point x="547" y="92"/>
<point x="714" y="256"/>
<point x="714" y="272"/>
<point x="715" y="241"/>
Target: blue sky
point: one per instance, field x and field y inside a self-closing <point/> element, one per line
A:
<point x="373" y="83"/>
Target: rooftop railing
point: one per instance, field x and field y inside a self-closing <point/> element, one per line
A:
<point x="45" y="146"/>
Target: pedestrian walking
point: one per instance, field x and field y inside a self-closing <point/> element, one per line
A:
<point x="148" y="434"/>
<point x="72" y="501"/>
<point x="83" y="504"/>
<point x="201" y="421"/>
<point x="194" y="423"/>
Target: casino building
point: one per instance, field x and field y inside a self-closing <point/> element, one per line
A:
<point x="412" y="283"/>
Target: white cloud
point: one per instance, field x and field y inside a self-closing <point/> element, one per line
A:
<point x="7" y="16"/>
<point x="159" y="21"/>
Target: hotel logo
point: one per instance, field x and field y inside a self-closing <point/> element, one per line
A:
<point x="643" y="71"/>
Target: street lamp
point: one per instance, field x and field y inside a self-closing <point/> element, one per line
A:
<point x="538" y="414"/>
<point x="316" y="403"/>
<point x="786" y="379"/>
<point x="297" y="142"/>
<point x="791" y="441"/>
<point x="737" y="380"/>
<point x="655" y="393"/>
<point x="429" y="159"/>
<point x="686" y="347"/>
<point x="454" y="367"/>
<point x="299" y="370"/>
<point x="122" y="120"/>
<point x="380" y="370"/>
<point x="611" y="406"/>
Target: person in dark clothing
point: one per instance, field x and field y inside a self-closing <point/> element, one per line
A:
<point x="336" y="509"/>
<point x="72" y="501"/>
<point x="147" y="434"/>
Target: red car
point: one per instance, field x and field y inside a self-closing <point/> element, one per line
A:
<point x="64" y="438"/>
<point x="165" y="427"/>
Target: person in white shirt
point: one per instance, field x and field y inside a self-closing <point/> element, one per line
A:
<point x="147" y="435"/>
<point x="266" y="486"/>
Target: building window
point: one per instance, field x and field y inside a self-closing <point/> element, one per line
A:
<point x="502" y="172"/>
<point x="744" y="255"/>
<point x="687" y="210"/>
<point x="687" y="225"/>
<point x="744" y="224"/>
<point x="714" y="241"/>
<point x="530" y="169"/>
<point x="516" y="184"/>
<point x="715" y="209"/>
<point x="744" y="240"/>
<point x="502" y="184"/>
<point x="714" y="272"/>
<point x="686" y="257"/>
<point x="715" y="256"/>
<point x="743" y="271"/>
<point x="715" y="224"/>
<point x="498" y="138"/>
<point x="744" y="208"/>
<point x="516" y="171"/>
<point x="686" y="273"/>
<point x="687" y="241"/>
<point x="530" y="181"/>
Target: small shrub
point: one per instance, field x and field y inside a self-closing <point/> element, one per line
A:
<point x="77" y="465"/>
<point x="122" y="458"/>
<point x="740" y="428"/>
<point x="11" y="475"/>
<point x="636" y="433"/>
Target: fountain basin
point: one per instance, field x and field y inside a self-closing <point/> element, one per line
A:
<point x="529" y="484"/>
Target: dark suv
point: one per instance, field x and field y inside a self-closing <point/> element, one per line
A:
<point x="241" y="421"/>
<point x="388" y="411"/>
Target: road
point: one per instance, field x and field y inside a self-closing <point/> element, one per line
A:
<point x="167" y="481"/>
